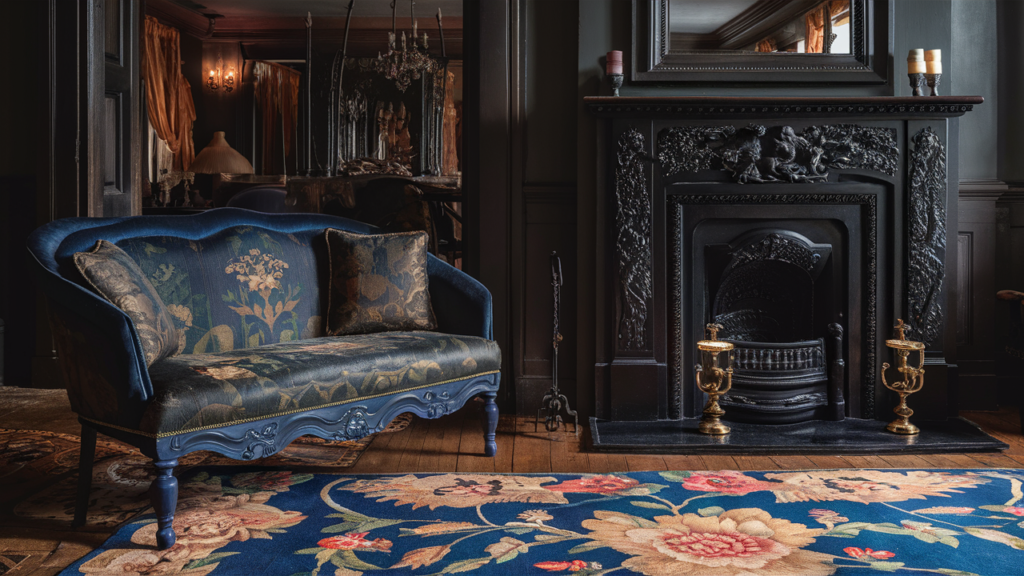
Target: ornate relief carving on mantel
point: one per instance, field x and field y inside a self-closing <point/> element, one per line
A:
<point x="633" y="241"/>
<point x="927" y="235"/>
<point x="759" y="154"/>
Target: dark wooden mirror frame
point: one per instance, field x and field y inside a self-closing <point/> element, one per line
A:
<point x="869" y="62"/>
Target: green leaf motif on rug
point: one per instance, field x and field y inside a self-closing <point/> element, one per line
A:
<point x="651" y="505"/>
<point x="996" y="536"/>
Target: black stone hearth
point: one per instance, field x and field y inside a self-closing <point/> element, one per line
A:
<point x="851" y="436"/>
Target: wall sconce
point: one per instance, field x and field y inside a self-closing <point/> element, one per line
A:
<point x="217" y="78"/>
<point x="229" y="79"/>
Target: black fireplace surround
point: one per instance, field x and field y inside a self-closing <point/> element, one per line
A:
<point x="804" y="227"/>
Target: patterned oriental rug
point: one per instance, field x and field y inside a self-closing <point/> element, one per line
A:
<point x="39" y="473"/>
<point x="811" y="523"/>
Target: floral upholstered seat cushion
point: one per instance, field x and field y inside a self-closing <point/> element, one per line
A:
<point x="200" y="391"/>
<point x="114" y="275"/>
<point x="378" y="282"/>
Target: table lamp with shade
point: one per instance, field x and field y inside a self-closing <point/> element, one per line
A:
<point x="220" y="158"/>
<point x="213" y="162"/>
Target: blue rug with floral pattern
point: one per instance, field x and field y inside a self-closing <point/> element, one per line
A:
<point x="727" y="523"/>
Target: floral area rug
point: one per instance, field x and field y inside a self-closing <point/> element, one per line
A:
<point x="39" y="473"/>
<point x="779" y="523"/>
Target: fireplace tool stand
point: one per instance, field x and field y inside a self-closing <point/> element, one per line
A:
<point x="554" y="400"/>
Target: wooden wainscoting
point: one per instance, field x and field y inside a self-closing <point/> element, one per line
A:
<point x="975" y="294"/>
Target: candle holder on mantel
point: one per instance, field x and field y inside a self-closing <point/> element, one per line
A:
<point x="712" y="380"/>
<point x="933" y="83"/>
<point x="917" y="84"/>
<point x="616" y="82"/>
<point x="913" y="379"/>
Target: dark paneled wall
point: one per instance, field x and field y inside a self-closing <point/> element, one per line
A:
<point x="974" y="62"/>
<point x="19" y="98"/>
<point x="1010" y="17"/>
<point x="544" y="197"/>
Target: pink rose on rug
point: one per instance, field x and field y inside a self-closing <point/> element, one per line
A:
<point x="726" y="481"/>
<point x="1016" y="511"/>
<point x="746" y="541"/>
<point x="595" y="485"/>
<point x="354" y="541"/>
<point x="877" y="554"/>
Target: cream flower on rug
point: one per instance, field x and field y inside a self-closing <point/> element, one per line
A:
<point x="203" y="526"/>
<point x="867" y="486"/>
<point x="457" y="490"/>
<point x="745" y="541"/>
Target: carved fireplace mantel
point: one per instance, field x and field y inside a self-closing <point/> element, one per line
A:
<point x="872" y="180"/>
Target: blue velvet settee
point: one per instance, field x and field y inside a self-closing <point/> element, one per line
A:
<point x="254" y="370"/>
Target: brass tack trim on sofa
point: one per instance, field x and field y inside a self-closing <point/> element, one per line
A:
<point x="285" y="413"/>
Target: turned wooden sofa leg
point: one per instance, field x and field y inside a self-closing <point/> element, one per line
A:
<point x="85" y="459"/>
<point x="490" y="423"/>
<point x="163" y="494"/>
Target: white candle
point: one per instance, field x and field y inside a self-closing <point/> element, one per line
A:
<point x="916" y="54"/>
<point x="933" y="56"/>
<point x="934" y="67"/>
<point x="915" y="67"/>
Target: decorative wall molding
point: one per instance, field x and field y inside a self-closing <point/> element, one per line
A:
<point x="633" y="250"/>
<point x="758" y="154"/>
<point x="933" y="106"/>
<point x="926" y="236"/>
<point x="870" y="325"/>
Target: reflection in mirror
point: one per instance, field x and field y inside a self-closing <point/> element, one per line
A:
<point x="779" y="26"/>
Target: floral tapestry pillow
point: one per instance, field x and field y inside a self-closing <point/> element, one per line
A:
<point x="378" y="283"/>
<point x="114" y="275"/>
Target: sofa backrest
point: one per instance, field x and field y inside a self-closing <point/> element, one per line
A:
<point x="232" y="278"/>
<point x="239" y="288"/>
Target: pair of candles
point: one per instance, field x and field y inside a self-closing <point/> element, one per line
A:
<point x="921" y="61"/>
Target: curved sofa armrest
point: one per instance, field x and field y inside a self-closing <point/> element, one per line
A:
<point x="99" y="352"/>
<point x="461" y="304"/>
<point x="112" y="333"/>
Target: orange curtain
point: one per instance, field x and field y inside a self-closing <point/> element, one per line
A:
<point x="277" y="92"/>
<point x="816" y="24"/>
<point x="767" y="45"/>
<point x="168" y="93"/>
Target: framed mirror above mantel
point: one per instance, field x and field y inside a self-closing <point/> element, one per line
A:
<point x="789" y="42"/>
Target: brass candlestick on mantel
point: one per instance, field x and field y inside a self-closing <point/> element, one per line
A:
<point x="710" y="379"/>
<point x="913" y="379"/>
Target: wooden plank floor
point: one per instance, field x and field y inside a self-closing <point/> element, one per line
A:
<point x="455" y="444"/>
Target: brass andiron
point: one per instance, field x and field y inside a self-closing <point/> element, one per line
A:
<point x="710" y="380"/>
<point x="913" y="380"/>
